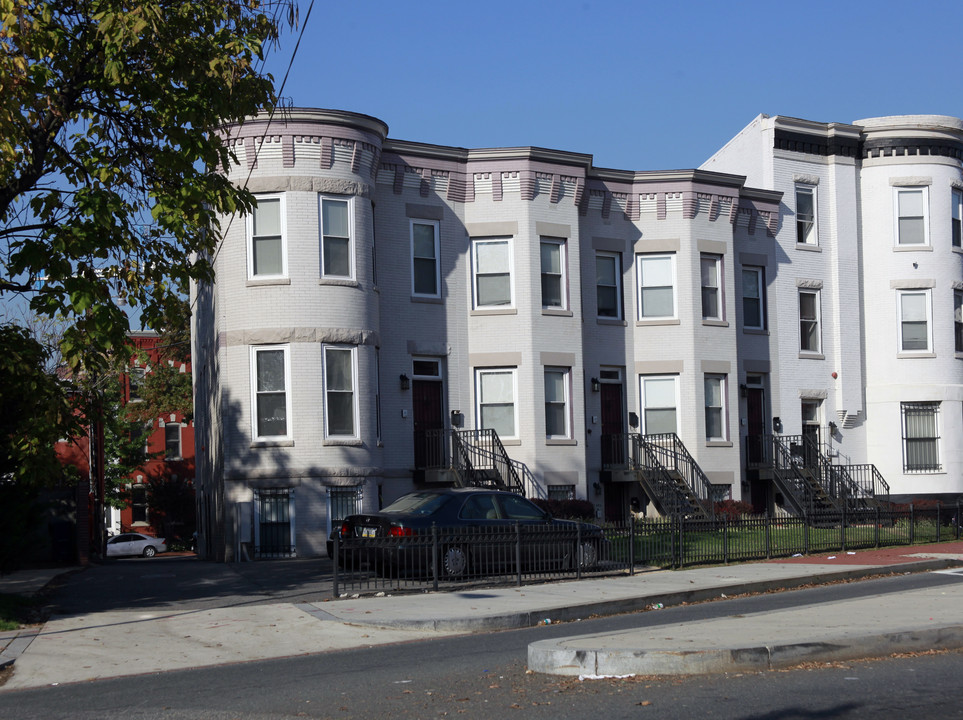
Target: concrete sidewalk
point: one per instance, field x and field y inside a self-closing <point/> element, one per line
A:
<point x="118" y="643"/>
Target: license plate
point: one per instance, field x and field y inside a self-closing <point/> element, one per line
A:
<point x="369" y="532"/>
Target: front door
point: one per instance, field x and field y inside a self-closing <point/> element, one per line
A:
<point x="613" y="448"/>
<point x="755" y="424"/>
<point x="427" y="416"/>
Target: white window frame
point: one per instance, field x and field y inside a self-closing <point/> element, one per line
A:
<point x="760" y="273"/>
<point x="909" y="466"/>
<point x="437" y="256"/>
<point x="817" y="320"/>
<point x="349" y="202"/>
<point x="477" y="243"/>
<point x="715" y="263"/>
<point x="812" y="236"/>
<point x="721" y="409"/>
<point x="562" y="274"/>
<point x="286" y="353"/>
<point x="923" y="191"/>
<point x="643" y="404"/>
<point x="958" y="320"/>
<point x="617" y="262"/>
<point x="640" y="261"/>
<point x="282" y="203"/>
<point x="926" y="294"/>
<point x="180" y="441"/>
<point x="353" y="350"/>
<point x="138" y="488"/>
<point x="956" y="230"/>
<point x="479" y="400"/>
<point x="565" y="402"/>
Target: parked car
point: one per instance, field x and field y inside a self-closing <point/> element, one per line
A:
<point x="472" y="531"/>
<point x="135" y="544"/>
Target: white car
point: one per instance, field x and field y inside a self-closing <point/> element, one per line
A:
<point x="135" y="544"/>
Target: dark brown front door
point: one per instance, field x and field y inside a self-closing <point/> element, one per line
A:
<point x="755" y="424"/>
<point x="613" y="450"/>
<point x="427" y="415"/>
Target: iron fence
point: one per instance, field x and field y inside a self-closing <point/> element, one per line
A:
<point x="451" y="558"/>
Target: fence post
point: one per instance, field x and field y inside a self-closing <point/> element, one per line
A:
<point x="939" y="518"/>
<point x="912" y="525"/>
<point x="725" y="540"/>
<point x="768" y="535"/>
<point x="805" y="520"/>
<point x="578" y="550"/>
<point x="842" y="529"/>
<point x="435" y="556"/>
<point x="335" y="575"/>
<point x="876" y="528"/>
<point x="631" y="545"/>
<point x="518" y="554"/>
<point x="958" y="520"/>
<point x="681" y="542"/>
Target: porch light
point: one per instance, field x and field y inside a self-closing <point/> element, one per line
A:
<point x="596" y="385"/>
<point x="405" y="382"/>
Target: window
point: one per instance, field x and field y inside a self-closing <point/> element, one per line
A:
<point x="911" y="216"/>
<point x="554" y="289"/>
<point x="272" y="397"/>
<point x="715" y="391"/>
<point x="957" y="218"/>
<point x="492" y="261"/>
<point x="340" y="408"/>
<point x="806" y="215"/>
<point x="809" y="336"/>
<point x="425" y="271"/>
<point x="659" y="403"/>
<point x="958" y="319"/>
<point x="711" y="287"/>
<point x="172" y="441"/>
<point x="138" y="504"/>
<point x="267" y="251"/>
<point x="656" y="286"/>
<point x="753" y="298"/>
<point x="557" y="421"/>
<point x="921" y="437"/>
<point x="336" y="253"/>
<point x="561" y="492"/>
<point x="608" y="279"/>
<point x="135" y="379"/>
<point x="341" y="503"/>
<point x="495" y="393"/>
<point x="914" y="309"/>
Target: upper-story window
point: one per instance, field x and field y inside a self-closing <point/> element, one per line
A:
<point x="958" y="319"/>
<point x="492" y="273"/>
<point x="660" y="400"/>
<point x="911" y="225"/>
<point x="656" y="286"/>
<point x="809" y="333"/>
<point x="557" y="407"/>
<point x="806" y="215"/>
<point x="753" y="298"/>
<point x="715" y="396"/>
<point x="425" y="265"/>
<point x="608" y="279"/>
<point x="495" y="401"/>
<point x="914" y="321"/>
<point x="340" y="398"/>
<point x="957" y="218"/>
<point x="711" y="287"/>
<point x="554" y="276"/>
<point x="337" y="255"/>
<point x="267" y="254"/>
<point x="172" y="441"/>
<point x="271" y="391"/>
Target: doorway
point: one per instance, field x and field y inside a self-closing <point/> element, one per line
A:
<point x="427" y="398"/>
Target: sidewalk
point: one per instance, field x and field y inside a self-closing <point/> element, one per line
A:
<point x="118" y="643"/>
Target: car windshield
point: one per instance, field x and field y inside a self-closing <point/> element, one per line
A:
<point x="416" y="504"/>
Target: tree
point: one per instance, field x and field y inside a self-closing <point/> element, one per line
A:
<point x="111" y="164"/>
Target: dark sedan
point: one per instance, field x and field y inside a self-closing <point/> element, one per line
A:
<point x="465" y="531"/>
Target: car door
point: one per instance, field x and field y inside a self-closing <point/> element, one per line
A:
<point x="539" y="547"/>
<point x="119" y="546"/>
<point x="491" y="536"/>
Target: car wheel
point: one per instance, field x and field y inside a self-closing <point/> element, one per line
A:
<point x="149" y="551"/>
<point x="454" y="561"/>
<point x="588" y="554"/>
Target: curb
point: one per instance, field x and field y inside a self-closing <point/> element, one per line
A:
<point x="553" y="658"/>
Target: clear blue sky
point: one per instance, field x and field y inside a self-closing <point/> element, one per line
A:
<point x="645" y="85"/>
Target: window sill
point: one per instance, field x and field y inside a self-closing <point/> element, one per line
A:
<point x="267" y="282"/>
<point x="803" y="355"/>
<point x="913" y="248"/>
<point x="708" y="322"/>
<point x="907" y="471"/>
<point x="611" y="321"/>
<point x="957" y="249"/>
<point x="427" y="300"/>
<point x="807" y="247"/>
<point x="557" y="312"/>
<point x="494" y="311"/>
<point x="343" y="442"/>
<point x="338" y="282"/>
<point x="512" y="442"/>
<point x="959" y="355"/>
<point x="910" y="356"/>
<point x="560" y="441"/>
<point x="718" y="443"/>
<point x="662" y="321"/>
<point x="755" y="331"/>
<point x="271" y="443"/>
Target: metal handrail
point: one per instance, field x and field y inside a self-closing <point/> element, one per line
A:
<point x="673" y="500"/>
<point x="680" y="460"/>
<point x="475" y="450"/>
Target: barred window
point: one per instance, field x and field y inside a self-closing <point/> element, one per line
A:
<point x="921" y="437"/>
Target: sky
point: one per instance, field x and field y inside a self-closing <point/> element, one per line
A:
<point x="638" y="85"/>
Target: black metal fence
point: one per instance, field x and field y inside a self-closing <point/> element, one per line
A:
<point x="451" y="558"/>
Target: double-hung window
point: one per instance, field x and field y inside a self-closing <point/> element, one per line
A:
<point x="271" y="390"/>
<point x="608" y="280"/>
<point x="425" y="265"/>
<point x="340" y="398"/>
<point x="138" y="504"/>
<point x="921" y="436"/>
<point x="492" y="276"/>
<point x="958" y="319"/>
<point x="957" y="232"/>
<point x="267" y="248"/>
<point x="753" y="298"/>
<point x="914" y="321"/>
<point x="495" y="401"/>
<point x="809" y="334"/>
<point x="715" y="392"/>
<point x="711" y="267"/>
<point x="557" y="414"/>
<point x="553" y="264"/>
<point x="172" y="441"/>
<point x="656" y="275"/>
<point x="911" y="226"/>
<point x="806" y="215"/>
<point x="660" y="402"/>
<point x="337" y="255"/>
